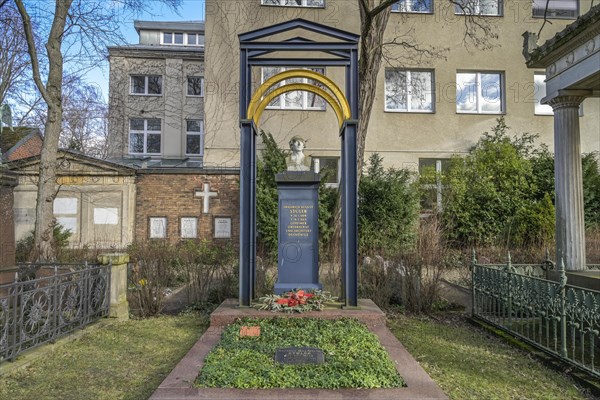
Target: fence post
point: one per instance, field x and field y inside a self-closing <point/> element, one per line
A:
<point x="473" y="294"/>
<point x="563" y="308"/>
<point x="509" y="269"/>
<point x="119" y="307"/>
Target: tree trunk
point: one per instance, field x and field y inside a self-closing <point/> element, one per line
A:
<point x="44" y="223"/>
<point x="372" y="29"/>
<point x="44" y="250"/>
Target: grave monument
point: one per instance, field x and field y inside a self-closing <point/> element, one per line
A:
<point x="298" y="231"/>
<point x="298" y="186"/>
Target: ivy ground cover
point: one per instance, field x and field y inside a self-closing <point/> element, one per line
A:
<point x="354" y="358"/>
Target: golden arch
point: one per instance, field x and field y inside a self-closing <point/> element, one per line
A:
<point x="338" y="101"/>
<point x="258" y="110"/>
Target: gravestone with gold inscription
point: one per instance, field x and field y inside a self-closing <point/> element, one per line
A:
<point x="298" y="259"/>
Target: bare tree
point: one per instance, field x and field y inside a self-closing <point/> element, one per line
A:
<point x="79" y="31"/>
<point x="84" y="118"/>
<point x="14" y="60"/>
<point x="377" y="47"/>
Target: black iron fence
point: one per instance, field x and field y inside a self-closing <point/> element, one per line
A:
<point x="48" y="301"/>
<point x="559" y="319"/>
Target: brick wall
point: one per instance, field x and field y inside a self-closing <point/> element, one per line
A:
<point x="7" y="228"/>
<point x="172" y="195"/>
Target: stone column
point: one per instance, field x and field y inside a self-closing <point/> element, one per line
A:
<point x="8" y="181"/>
<point x="119" y="306"/>
<point x="570" y="227"/>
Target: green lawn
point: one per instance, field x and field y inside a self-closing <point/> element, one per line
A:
<point x="126" y="360"/>
<point x="469" y="363"/>
<point x="129" y="360"/>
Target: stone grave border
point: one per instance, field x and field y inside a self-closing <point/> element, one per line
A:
<point x="178" y="385"/>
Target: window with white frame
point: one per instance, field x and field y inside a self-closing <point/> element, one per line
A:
<point x="478" y="7"/>
<point x="294" y="3"/>
<point x="194" y="141"/>
<point x="297" y="100"/>
<point x="195" y="86"/>
<point x="560" y="9"/>
<point x="158" y="227"/>
<point x="194" y="39"/>
<point x="480" y="92"/>
<point x="539" y="92"/>
<point x="409" y="91"/>
<point x="329" y="168"/>
<point x="413" y="6"/>
<point x="182" y="38"/>
<point x="432" y="171"/>
<point x="188" y="227"/>
<point x="144" y="136"/>
<point x="146" y="84"/>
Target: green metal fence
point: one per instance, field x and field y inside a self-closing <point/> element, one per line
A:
<point x="559" y="319"/>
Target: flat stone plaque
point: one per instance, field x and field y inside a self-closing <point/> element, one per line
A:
<point x="249" y="331"/>
<point x="299" y="355"/>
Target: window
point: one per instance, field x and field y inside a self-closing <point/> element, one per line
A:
<point x="158" y="227"/>
<point x="189" y="227"/>
<point x="294" y="3"/>
<point x="194" y="39"/>
<point x="564" y="9"/>
<point x="479" y="92"/>
<point x="172" y="37"/>
<point x="194" y="142"/>
<point x="195" y="86"/>
<point x="408" y="91"/>
<point x="146" y="84"/>
<point x="181" y="38"/>
<point x="539" y="92"/>
<point x="144" y="136"/>
<point x="294" y="100"/>
<point x="413" y="6"/>
<point x="66" y="210"/>
<point x="329" y="169"/>
<point x="478" y="7"/>
<point x="431" y="171"/>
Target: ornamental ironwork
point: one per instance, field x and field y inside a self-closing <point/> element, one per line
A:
<point x="561" y="320"/>
<point x="38" y="309"/>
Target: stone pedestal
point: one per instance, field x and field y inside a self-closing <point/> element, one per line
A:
<point x="8" y="181"/>
<point x="298" y="253"/>
<point x="119" y="306"/>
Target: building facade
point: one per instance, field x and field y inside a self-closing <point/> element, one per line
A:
<point x="428" y="106"/>
<point x="156" y="100"/>
<point x="157" y="128"/>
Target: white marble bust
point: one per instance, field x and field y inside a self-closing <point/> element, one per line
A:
<point x="297" y="161"/>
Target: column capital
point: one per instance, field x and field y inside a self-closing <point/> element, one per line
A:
<point x="567" y="98"/>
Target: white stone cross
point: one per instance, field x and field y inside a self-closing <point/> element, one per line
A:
<point x="206" y="194"/>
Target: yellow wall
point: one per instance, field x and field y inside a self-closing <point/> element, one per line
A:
<point x="402" y="138"/>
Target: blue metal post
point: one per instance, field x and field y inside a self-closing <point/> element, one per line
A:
<point x="243" y="84"/>
<point x="349" y="214"/>
<point x="352" y="95"/>
<point x="247" y="211"/>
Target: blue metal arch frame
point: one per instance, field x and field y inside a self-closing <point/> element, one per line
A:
<point x="341" y="52"/>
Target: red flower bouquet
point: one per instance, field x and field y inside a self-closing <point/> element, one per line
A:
<point x="296" y="301"/>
